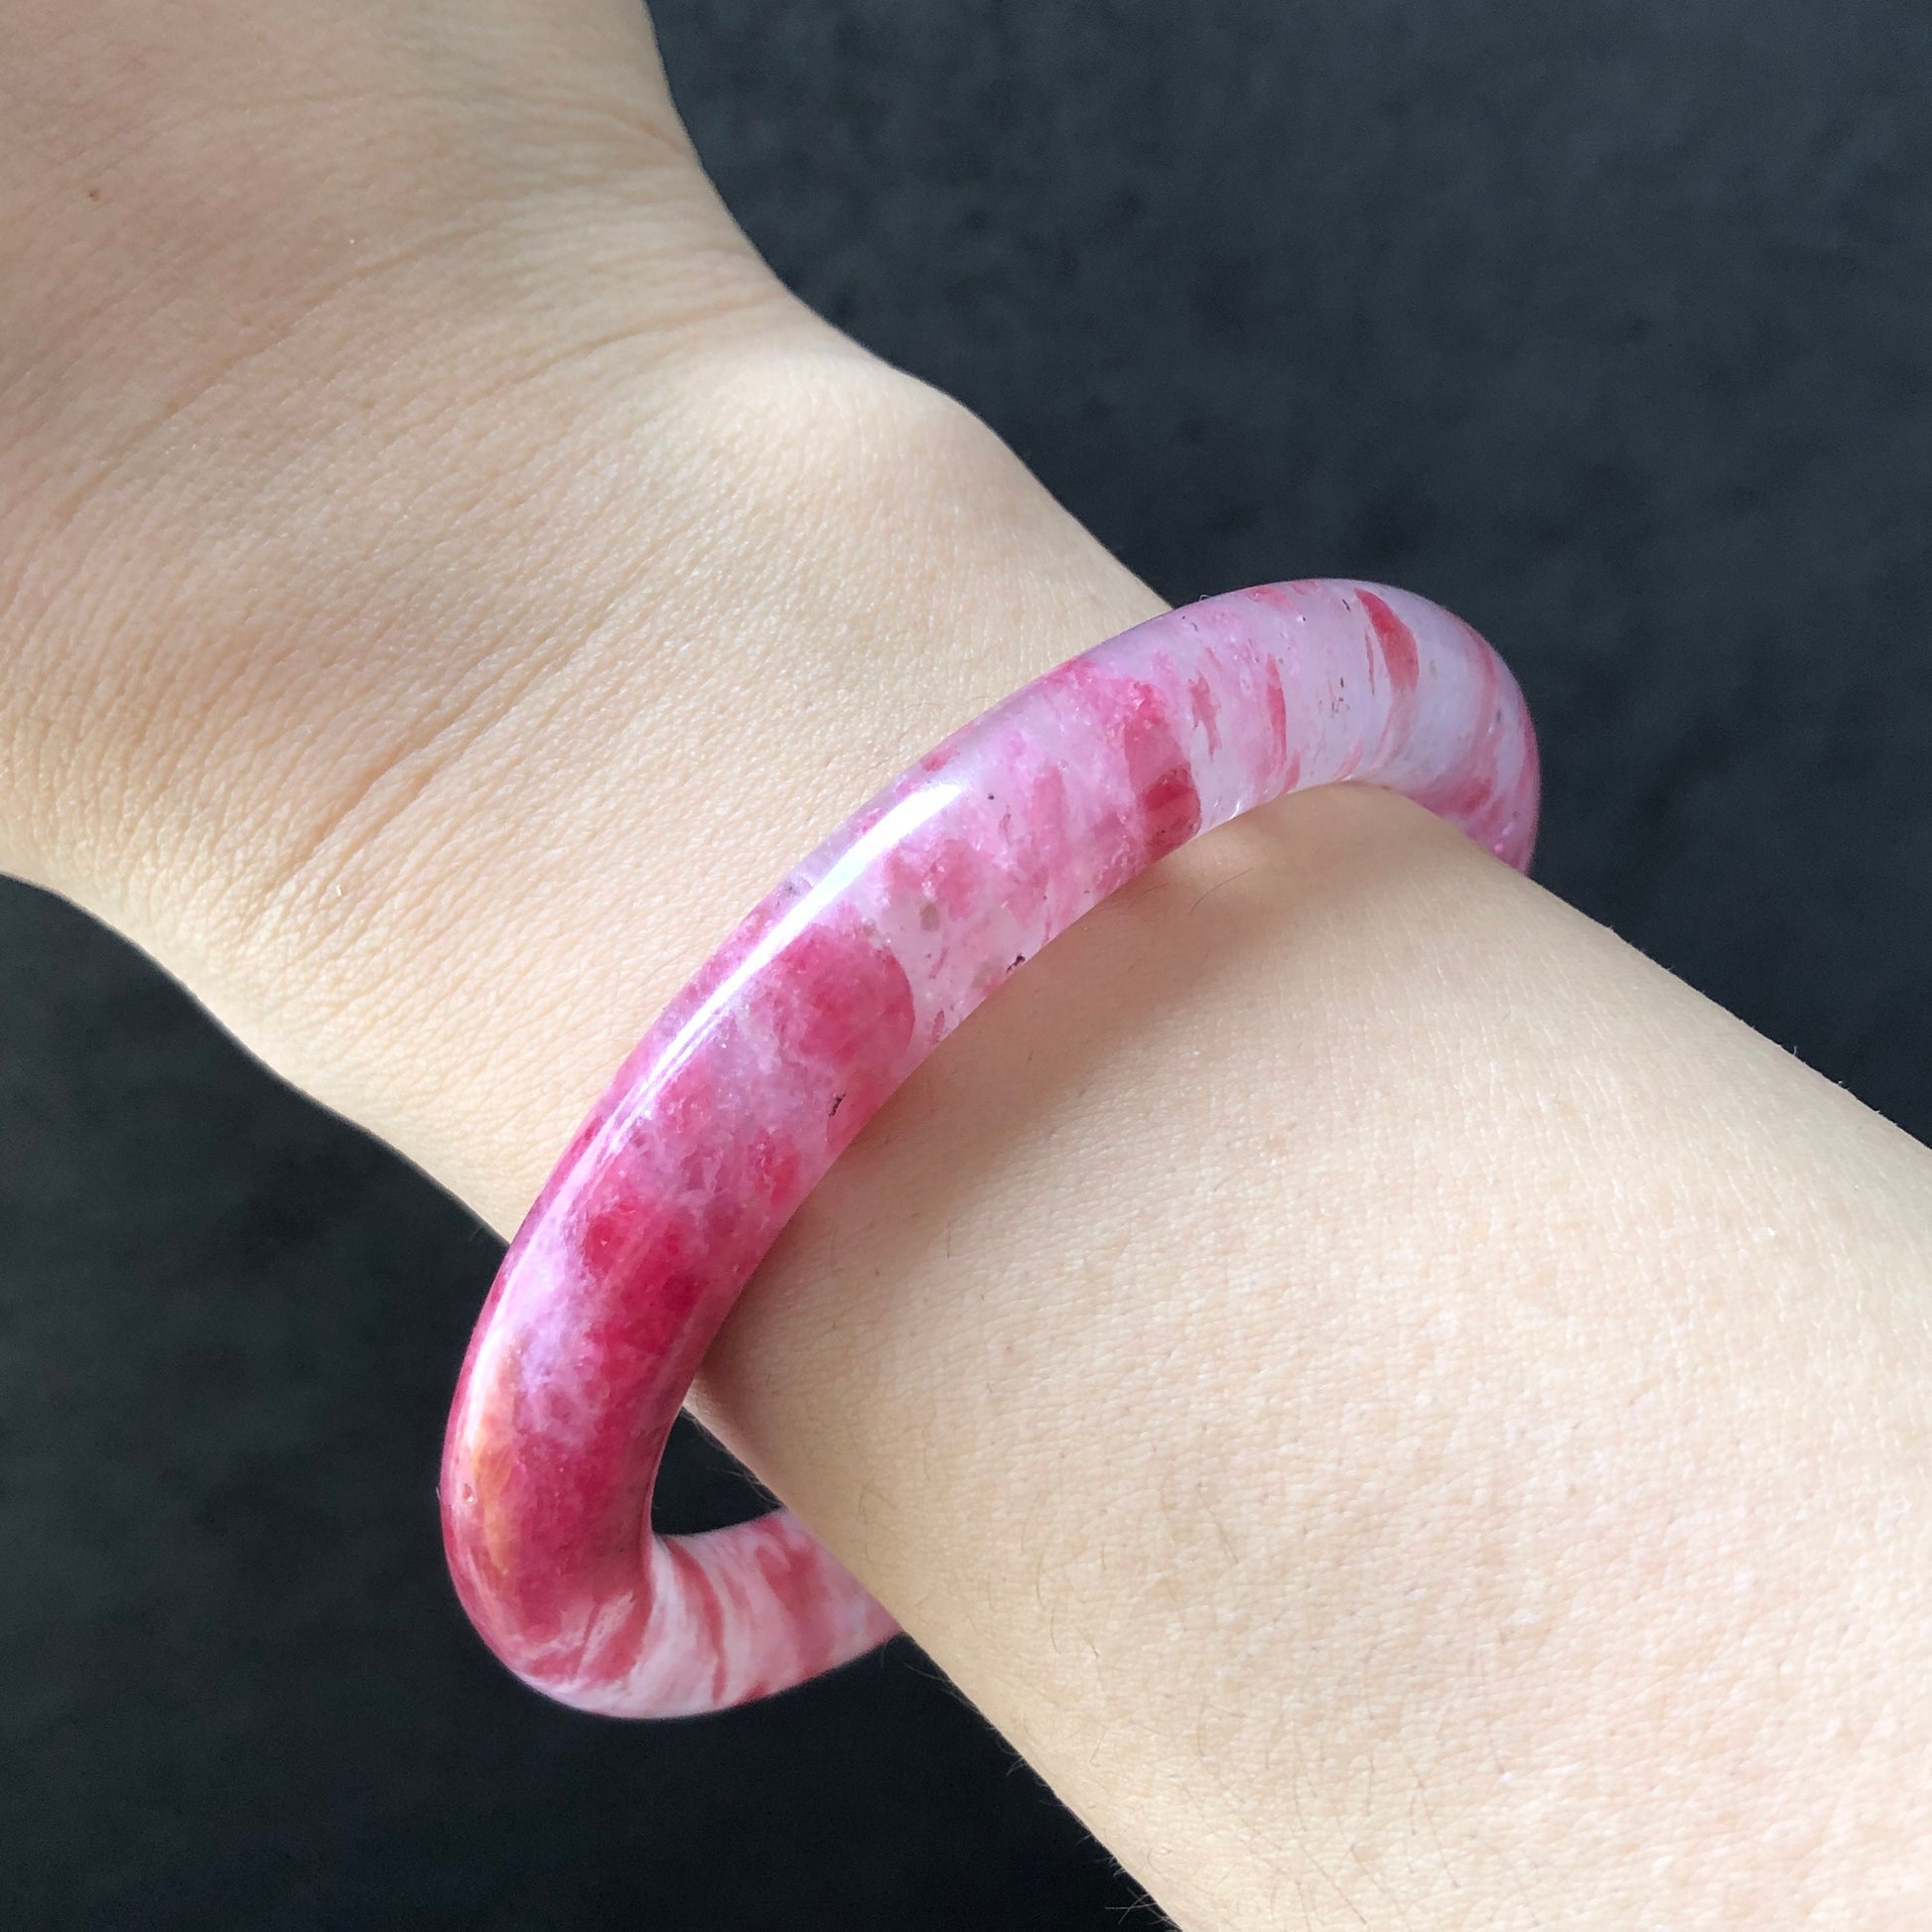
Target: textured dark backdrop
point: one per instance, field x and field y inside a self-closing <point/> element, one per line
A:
<point x="1610" y="326"/>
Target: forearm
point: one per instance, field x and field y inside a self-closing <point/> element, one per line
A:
<point x="1395" y="1405"/>
<point x="608" y="649"/>
<point x="1392" y="1402"/>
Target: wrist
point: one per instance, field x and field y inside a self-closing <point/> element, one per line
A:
<point x="497" y="787"/>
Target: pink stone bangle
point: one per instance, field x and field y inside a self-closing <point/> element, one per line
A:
<point x="793" y="1034"/>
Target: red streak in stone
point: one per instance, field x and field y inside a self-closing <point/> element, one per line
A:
<point x="1277" y="718"/>
<point x="833" y="999"/>
<point x="1158" y="770"/>
<point x="1206" y="711"/>
<point x="1398" y="643"/>
<point x="701" y="1593"/>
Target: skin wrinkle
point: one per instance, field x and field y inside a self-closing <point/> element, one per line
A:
<point x="510" y="643"/>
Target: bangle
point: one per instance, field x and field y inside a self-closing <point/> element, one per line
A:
<point x="793" y="1035"/>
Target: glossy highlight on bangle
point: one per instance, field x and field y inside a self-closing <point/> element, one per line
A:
<point x="763" y="1069"/>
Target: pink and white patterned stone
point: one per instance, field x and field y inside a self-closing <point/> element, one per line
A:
<point x="765" y="1067"/>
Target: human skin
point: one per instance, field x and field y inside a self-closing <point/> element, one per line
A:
<point x="1401" y="1411"/>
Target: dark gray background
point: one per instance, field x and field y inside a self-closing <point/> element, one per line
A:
<point x="1608" y="326"/>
